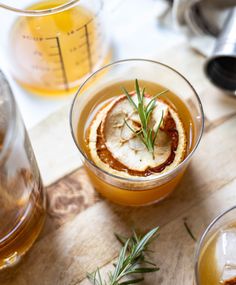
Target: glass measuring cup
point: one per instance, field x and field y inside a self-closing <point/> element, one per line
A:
<point x="51" y="45"/>
<point x="22" y="197"/>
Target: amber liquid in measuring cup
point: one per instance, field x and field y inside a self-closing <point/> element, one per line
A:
<point x="22" y="211"/>
<point x="52" y="53"/>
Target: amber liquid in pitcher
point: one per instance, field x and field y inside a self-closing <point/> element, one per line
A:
<point x="121" y="195"/>
<point x="22" y="213"/>
<point x="52" y="53"/>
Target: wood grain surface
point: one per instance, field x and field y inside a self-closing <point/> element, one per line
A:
<point x="78" y="235"/>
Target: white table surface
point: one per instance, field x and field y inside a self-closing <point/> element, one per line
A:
<point x="135" y="33"/>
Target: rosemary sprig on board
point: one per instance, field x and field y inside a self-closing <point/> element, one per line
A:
<point x="146" y="133"/>
<point x="132" y="260"/>
<point x="189" y="231"/>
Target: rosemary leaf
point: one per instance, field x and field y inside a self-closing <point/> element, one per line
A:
<point x="149" y="262"/>
<point x="143" y="94"/>
<point x="121" y="259"/>
<point x="155" y="97"/>
<point x="158" y="127"/>
<point x="189" y="231"/>
<point x="133" y="130"/>
<point x="138" y="91"/>
<point x="120" y="238"/>
<point x="135" y="237"/>
<point x="144" y="270"/>
<point x="143" y="242"/>
<point x="146" y="133"/>
<point x="131" y="261"/>
<point x="129" y="98"/>
<point x="133" y="281"/>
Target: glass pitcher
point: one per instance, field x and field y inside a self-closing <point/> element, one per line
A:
<point x="49" y="46"/>
<point x="22" y="197"/>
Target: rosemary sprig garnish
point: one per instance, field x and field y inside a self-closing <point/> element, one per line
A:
<point x="132" y="260"/>
<point x="146" y="133"/>
<point x="189" y="231"/>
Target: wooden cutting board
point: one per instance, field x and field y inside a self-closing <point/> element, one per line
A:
<point x="78" y="235"/>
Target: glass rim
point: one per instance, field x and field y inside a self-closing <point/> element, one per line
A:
<point x="8" y="135"/>
<point x="42" y="12"/>
<point x="202" y="239"/>
<point x="139" y="179"/>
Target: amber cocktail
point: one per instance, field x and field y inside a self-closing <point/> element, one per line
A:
<point x="133" y="156"/>
<point x="216" y="253"/>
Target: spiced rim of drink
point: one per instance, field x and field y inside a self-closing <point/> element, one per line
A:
<point x="43" y="12"/>
<point x="138" y="179"/>
<point x="8" y="134"/>
<point x="202" y="239"/>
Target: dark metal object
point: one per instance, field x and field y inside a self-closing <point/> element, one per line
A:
<point x="220" y="68"/>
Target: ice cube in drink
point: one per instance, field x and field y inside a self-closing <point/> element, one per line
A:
<point x="217" y="261"/>
<point x="226" y="255"/>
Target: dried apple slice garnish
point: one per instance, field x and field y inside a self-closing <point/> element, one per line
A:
<point x="231" y="281"/>
<point x="117" y="149"/>
<point x="129" y="149"/>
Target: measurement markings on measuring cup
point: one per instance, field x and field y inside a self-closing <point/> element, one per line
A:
<point x="62" y="64"/>
<point x="55" y="52"/>
<point x="61" y="59"/>
<point x="88" y="48"/>
<point x="86" y="40"/>
<point x="58" y="54"/>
